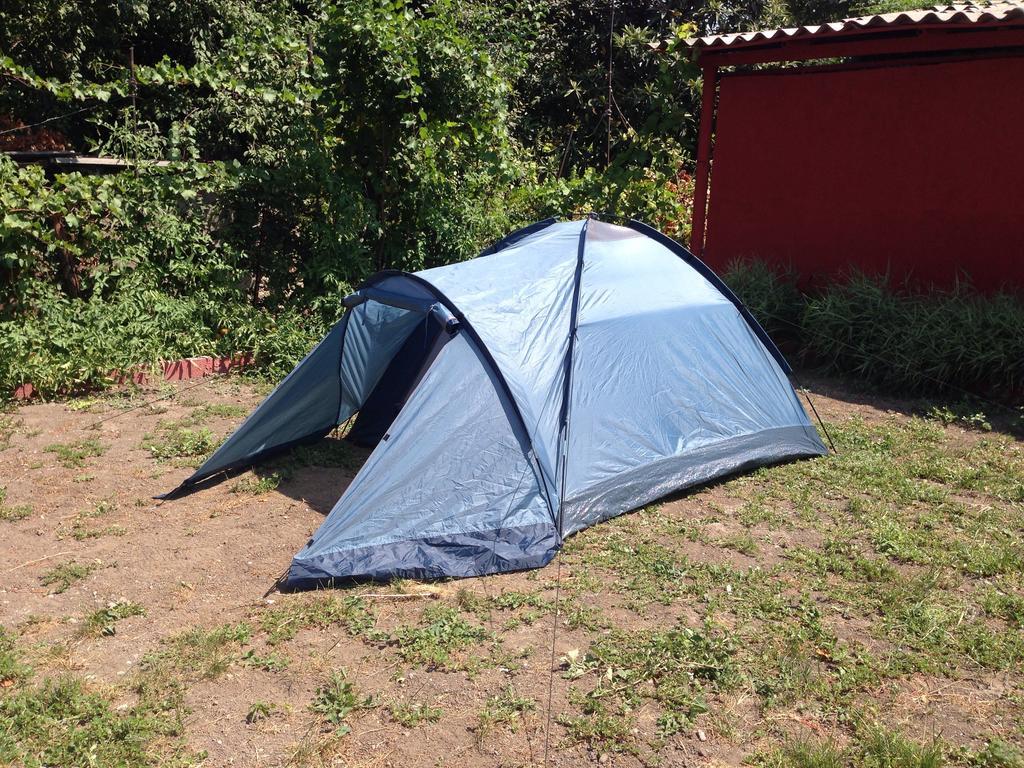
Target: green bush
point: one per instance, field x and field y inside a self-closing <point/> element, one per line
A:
<point x="918" y="341"/>
<point x="334" y="143"/>
<point x="104" y="273"/>
<point x="311" y="144"/>
<point x="771" y="295"/>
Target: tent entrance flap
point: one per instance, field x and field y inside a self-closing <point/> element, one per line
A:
<point x="398" y="381"/>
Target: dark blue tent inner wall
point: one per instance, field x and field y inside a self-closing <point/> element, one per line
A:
<point x="398" y="381"/>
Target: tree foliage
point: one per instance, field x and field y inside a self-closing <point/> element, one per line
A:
<point x="307" y="144"/>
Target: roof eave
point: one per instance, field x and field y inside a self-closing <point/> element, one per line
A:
<point x="967" y="21"/>
<point x="798" y="44"/>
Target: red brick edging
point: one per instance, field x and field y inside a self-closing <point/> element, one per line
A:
<point x="171" y="370"/>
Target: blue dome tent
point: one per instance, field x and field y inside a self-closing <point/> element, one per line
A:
<point x="574" y="371"/>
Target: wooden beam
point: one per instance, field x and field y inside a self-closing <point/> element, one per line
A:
<point x="105" y="163"/>
<point x="72" y="160"/>
<point x="698" y="216"/>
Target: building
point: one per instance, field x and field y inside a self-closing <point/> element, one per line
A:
<point x="893" y="148"/>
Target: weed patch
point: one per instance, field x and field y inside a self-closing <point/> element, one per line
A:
<point x="63" y="575"/>
<point x="999" y="754"/>
<point x="962" y="415"/>
<point x="521" y="607"/>
<point x="12" y="670"/>
<point x="9" y="513"/>
<point x="872" y="747"/>
<point x="1008" y="607"/>
<point x="217" y="410"/>
<point x="257" y="486"/>
<point x="336" y="699"/>
<point x="600" y="728"/>
<point x="102" y="623"/>
<point x="743" y="543"/>
<point x="319" y="610"/>
<point x="62" y="722"/>
<point x="410" y="714"/>
<point x="73" y="455"/>
<point x="8" y="427"/>
<point x="802" y="753"/>
<point x="677" y="669"/>
<point x="441" y="632"/>
<point x="270" y="662"/>
<point x="198" y="654"/>
<point x="940" y="632"/>
<point x="81" y="531"/>
<point x="259" y="710"/>
<point x="329" y="452"/>
<point x="179" y="443"/>
<point x="504" y="709"/>
<point x="645" y="571"/>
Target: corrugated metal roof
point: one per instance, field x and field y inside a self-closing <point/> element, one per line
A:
<point x="980" y="13"/>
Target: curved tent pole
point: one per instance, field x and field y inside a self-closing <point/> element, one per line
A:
<point x="506" y="242"/>
<point x="709" y="274"/>
<point x="482" y="347"/>
<point x="563" y="453"/>
<point x="509" y="240"/>
<point x="519" y="234"/>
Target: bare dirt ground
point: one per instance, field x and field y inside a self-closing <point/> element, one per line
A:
<point x="871" y="596"/>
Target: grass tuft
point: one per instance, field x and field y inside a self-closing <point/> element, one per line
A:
<point x="73" y="455"/>
<point x="12" y="514"/>
<point x="410" y="714"/>
<point x="336" y="699"/>
<point x="101" y="623"/>
<point x="62" y="576"/>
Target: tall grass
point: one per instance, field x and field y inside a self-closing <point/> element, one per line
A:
<point x="910" y="342"/>
<point x="772" y="295"/>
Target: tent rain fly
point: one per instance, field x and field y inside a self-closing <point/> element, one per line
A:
<point x="575" y="371"/>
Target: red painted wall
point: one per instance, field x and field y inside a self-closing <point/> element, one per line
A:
<point x="916" y="169"/>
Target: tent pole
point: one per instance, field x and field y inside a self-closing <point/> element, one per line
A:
<point x="563" y="432"/>
<point x="700" y="192"/>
